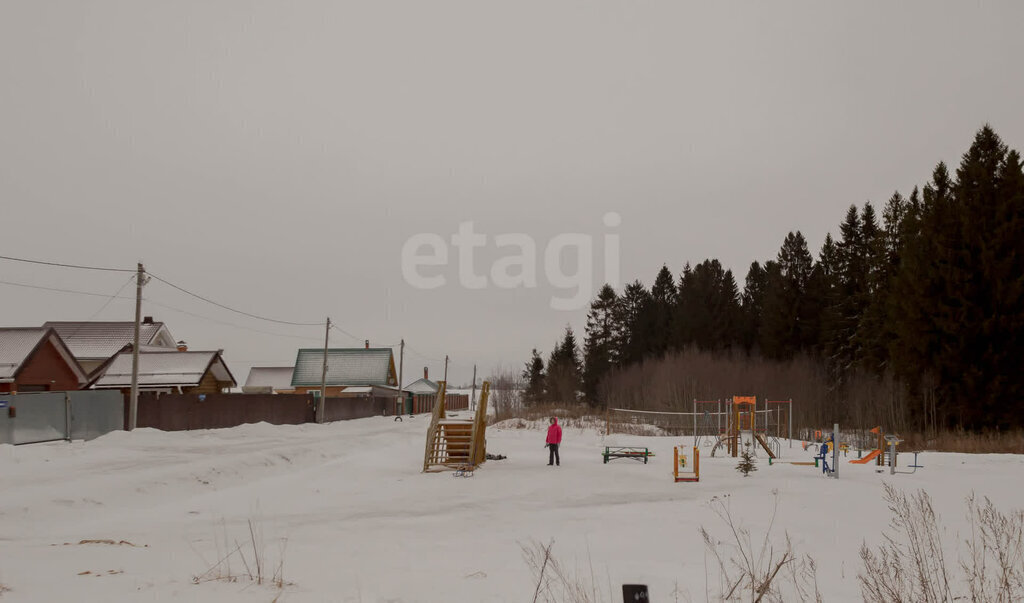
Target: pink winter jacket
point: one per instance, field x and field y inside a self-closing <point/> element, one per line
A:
<point x="554" y="433"/>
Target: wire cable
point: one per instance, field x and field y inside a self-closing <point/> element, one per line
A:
<point x="62" y="265"/>
<point x="230" y="309"/>
<point x="155" y="303"/>
<point x="344" y="332"/>
<point x="59" y="290"/>
<point x="107" y="303"/>
<point x="225" y="323"/>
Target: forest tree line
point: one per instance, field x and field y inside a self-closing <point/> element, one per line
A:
<point x="913" y="314"/>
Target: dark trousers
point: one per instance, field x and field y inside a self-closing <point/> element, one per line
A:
<point x="553" y="455"/>
<point x="824" y="465"/>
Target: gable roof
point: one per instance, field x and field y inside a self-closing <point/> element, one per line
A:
<point x="423" y="386"/>
<point x="169" y="368"/>
<point x="345" y="366"/>
<point x="101" y="340"/>
<point x="17" y="344"/>
<point x="272" y="377"/>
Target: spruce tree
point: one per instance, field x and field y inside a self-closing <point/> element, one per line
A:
<point x="778" y="320"/>
<point x="752" y="306"/>
<point x="602" y="335"/>
<point x="533" y="376"/>
<point x="663" y="303"/>
<point x="747" y="463"/>
<point x="563" y="378"/>
<point x="708" y="313"/>
<point x="634" y="318"/>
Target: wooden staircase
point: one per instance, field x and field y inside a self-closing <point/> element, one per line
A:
<point x="456" y="443"/>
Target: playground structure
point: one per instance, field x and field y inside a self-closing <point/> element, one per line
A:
<point x="454" y="443"/>
<point x="677" y="460"/>
<point x="721" y="424"/>
<point x="742" y="427"/>
<point x="886" y="453"/>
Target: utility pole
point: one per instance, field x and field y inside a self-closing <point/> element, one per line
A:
<point x="446" y="369"/>
<point x="401" y="396"/>
<point x="472" y="396"/>
<point x="322" y="403"/>
<point x="133" y="404"/>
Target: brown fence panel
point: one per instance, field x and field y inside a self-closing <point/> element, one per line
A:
<point x="181" y="412"/>
<point x="342" y="409"/>
<point x="456" y="401"/>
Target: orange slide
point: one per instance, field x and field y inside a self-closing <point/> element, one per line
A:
<point x="870" y="457"/>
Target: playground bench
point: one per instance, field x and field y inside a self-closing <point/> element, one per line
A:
<point x="626" y="452"/>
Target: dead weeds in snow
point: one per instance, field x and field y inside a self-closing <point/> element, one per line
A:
<point x="245" y="560"/>
<point x="911" y="566"/>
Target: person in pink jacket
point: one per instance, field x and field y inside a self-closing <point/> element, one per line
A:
<point x="553" y="441"/>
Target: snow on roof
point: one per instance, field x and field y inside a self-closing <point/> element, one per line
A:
<point x="15" y="345"/>
<point x="423" y="386"/>
<point x="345" y="366"/>
<point x="164" y="369"/>
<point x="104" y="339"/>
<point x="274" y="377"/>
<point x="358" y="389"/>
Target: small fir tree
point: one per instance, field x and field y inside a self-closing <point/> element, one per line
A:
<point x="747" y="462"/>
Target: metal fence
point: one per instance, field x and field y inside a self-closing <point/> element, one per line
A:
<point x="50" y="416"/>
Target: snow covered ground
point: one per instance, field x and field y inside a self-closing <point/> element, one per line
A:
<point x="362" y="523"/>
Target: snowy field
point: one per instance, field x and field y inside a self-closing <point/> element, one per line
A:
<point x="362" y="523"/>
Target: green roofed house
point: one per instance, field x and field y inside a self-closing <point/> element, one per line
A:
<point x="362" y="368"/>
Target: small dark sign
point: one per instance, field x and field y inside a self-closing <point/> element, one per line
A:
<point x="632" y="593"/>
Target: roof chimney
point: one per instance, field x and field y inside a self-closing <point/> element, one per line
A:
<point x="182" y="346"/>
<point x="425" y="374"/>
<point x="367" y="344"/>
<point x="147" y="320"/>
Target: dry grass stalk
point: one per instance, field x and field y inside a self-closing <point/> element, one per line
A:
<point x="910" y="566"/>
<point x="554" y="583"/>
<point x="755" y="572"/>
<point x="254" y="567"/>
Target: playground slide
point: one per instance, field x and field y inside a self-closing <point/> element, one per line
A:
<point x="760" y="440"/>
<point x="870" y="457"/>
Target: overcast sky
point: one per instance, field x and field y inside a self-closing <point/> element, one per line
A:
<point x="277" y="156"/>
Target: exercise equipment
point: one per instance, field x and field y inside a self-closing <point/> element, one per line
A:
<point x="635" y="453"/>
<point x="693" y="476"/>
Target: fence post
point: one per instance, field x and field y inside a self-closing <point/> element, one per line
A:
<point x="67" y="416"/>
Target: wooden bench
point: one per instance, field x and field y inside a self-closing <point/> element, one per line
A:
<point x="626" y="452"/>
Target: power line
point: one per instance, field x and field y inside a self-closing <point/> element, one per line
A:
<point x="344" y="332"/>
<point x="62" y="265"/>
<point x="229" y="324"/>
<point x="59" y="290"/>
<point x="423" y="356"/>
<point x="149" y="301"/>
<point x="112" y="298"/>
<point x="230" y="309"/>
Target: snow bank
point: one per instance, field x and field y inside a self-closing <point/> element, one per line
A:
<point x="362" y="523"/>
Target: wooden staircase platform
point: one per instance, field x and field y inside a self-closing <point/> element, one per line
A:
<point x="456" y="443"/>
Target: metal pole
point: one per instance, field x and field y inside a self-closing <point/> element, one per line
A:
<point x="695" y="421"/>
<point x="401" y="395"/>
<point x="472" y="395"/>
<point x="133" y="404"/>
<point x="446" y="369"/>
<point x="791" y="422"/>
<point x="835" y="450"/>
<point x="320" y="407"/>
